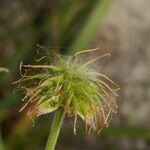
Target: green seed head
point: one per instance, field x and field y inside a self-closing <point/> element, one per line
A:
<point x="71" y="84"/>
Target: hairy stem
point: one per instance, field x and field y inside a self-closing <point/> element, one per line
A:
<point x="55" y="129"/>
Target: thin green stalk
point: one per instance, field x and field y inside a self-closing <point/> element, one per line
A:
<point x="55" y="129"/>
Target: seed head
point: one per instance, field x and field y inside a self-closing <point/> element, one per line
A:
<point x="71" y="84"/>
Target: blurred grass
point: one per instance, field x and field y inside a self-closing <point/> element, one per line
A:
<point x="92" y="24"/>
<point x="5" y="70"/>
<point x="131" y="132"/>
<point x="1" y="141"/>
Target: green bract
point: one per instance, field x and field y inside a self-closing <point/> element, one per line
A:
<point x="71" y="84"/>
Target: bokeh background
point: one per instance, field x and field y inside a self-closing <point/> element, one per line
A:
<point x="120" y="27"/>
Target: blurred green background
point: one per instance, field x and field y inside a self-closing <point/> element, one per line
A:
<point x="121" y="27"/>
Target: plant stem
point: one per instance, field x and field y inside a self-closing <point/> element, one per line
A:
<point x="55" y="129"/>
